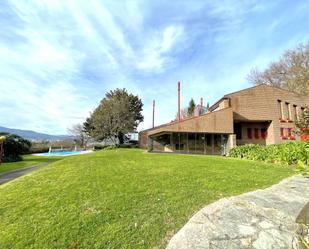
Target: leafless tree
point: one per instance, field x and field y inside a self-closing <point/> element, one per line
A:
<point x="82" y="137"/>
<point x="290" y="72"/>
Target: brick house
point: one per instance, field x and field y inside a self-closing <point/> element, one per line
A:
<point x="257" y="115"/>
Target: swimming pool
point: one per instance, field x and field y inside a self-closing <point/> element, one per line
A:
<point x="63" y="153"/>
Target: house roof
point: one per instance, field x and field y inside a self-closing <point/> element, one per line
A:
<point x="215" y="105"/>
<point x="226" y="96"/>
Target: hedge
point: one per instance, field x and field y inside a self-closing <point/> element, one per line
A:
<point x="110" y="147"/>
<point x="287" y="153"/>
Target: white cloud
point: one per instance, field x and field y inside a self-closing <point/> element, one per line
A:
<point x="59" y="57"/>
<point x="154" y="55"/>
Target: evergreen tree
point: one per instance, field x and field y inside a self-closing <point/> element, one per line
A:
<point x="191" y="108"/>
<point x="117" y="114"/>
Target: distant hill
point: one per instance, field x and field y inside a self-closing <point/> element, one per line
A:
<point x="32" y="135"/>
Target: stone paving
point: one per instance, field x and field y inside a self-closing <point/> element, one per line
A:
<point x="262" y="219"/>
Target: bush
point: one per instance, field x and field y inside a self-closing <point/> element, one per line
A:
<point x="14" y="146"/>
<point x="109" y="147"/>
<point x="287" y="153"/>
<point x="127" y="146"/>
<point x="100" y="146"/>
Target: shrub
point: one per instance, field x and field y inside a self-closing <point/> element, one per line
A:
<point x="288" y="153"/>
<point x="110" y="147"/>
<point x="127" y="146"/>
<point x="14" y="146"/>
<point x="100" y="146"/>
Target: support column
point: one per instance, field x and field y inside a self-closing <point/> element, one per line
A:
<point x="150" y="144"/>
<point x="231" y="143"/>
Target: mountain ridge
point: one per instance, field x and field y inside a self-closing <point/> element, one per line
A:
<point x="33" y="135"/>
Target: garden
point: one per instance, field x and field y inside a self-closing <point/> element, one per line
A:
<point x="121" y="198"/>
<point x="292" y="153"/>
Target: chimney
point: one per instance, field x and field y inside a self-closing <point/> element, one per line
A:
<point x="178" y="101"/>
<point x="153" y="112"/>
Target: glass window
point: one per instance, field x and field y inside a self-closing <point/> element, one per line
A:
<point x="256" y="133"/>
<point x="191" y="142"/>
<point x="161" y="142"/>
<point x="209" y="144"/>
<point x="295" y="112"/>
<point x="287" y="110"/>
<point x="183" y="146"/>
<point x="217" y="144"/>
<point x="289" y="132"/>
<point x="279" y="108"/>
<point x="285" y="132"/>
<point x="200" y="143"/>
<point x="264" y="133"/>
<point x="249" y="133"/>
<point x="176" y="137"/>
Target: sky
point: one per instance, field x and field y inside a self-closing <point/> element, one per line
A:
<point x="58" y="58"/>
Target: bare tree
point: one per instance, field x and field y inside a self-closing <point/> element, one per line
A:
<point x="290" y="72"/>
<point x="82" y="137"/>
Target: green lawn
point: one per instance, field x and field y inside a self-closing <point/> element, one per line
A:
<point x="27" y="162"/>
<point x="121" y="198"/>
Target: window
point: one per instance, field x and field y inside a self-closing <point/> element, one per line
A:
<point x="263" y="133"/>
<point x="280" y="109"/>
<point x="209" y="144"/>
<point x="289" y="131"/>
<point x="287" y="110"/>
<point x="286" y="133"/>
<point x="295" y="112"/>
<point x="200" y="143"/>
<point x="237" y="130"/>
<point x="249" y="133"/>
<point x="179" y="146"/>
<point x="191" y="142"/>
<point x="256" y="133"/>
<point x="217" y="144"/>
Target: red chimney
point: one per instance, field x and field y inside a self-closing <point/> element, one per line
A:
<point x="153" y="112"/>
<point x="178" y="101"/>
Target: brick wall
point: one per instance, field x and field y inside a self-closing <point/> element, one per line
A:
<point x="215" y="122"/>
<point x="256" y="107"/>
<point x="260" y="103"/>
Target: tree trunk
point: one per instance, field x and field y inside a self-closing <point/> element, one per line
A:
<point x="120" y="138"/>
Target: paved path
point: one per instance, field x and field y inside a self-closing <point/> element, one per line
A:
<point x="263" y="219"/>
<point x="10" y="175"/>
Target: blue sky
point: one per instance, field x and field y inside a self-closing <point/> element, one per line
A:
<point x="59" y="57"/>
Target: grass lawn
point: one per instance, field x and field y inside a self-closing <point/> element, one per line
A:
<point x="27" y="161"/>
<point x="120" y="198"/>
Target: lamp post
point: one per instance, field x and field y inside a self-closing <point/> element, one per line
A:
<point x="2" y="139"/>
